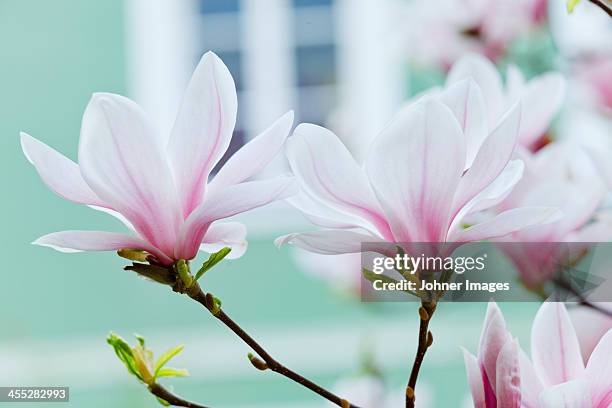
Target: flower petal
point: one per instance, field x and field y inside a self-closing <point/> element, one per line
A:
<point x="491" y="159"/>
<point x="481" y="70"/>
<point x="465" y="99"/>
<point x="232" y="200"/>
<point x="58" y="172"/>
<point x="508" y="222"/>
<point x="508" y="382"/>
<point x="474" y="377"/>
<point x="492" y="339"/>
<point x="414" y="167"/>
<point x="327" y="171"/>
<point x="572" y="394"/>
<point x="554" y="346"/>
<point x="255" y="155"/>
<point x="542" y="98"/>
<point x="76" y="241"/>
<point x="328" y="242"/>
<point x="203" y="129"/>
<point x="599" y="372"/>
<point x="122" y="161"/>
<point x="531" y="386"/>
<point x="226" y="234"/>
<point x="321" y="214"/>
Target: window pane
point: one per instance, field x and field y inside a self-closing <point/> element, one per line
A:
<point x="218" y="6"/>
<point x="316" y="65"/>
<point x="306" y="3"/>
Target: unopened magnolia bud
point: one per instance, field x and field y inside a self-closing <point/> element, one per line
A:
<point x="429" y="339"/>
<point x="257" y="362"/>
<point x="410" y="392"/>
<point x="345" y="404"/>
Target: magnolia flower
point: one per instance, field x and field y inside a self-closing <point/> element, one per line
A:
<point x="593" y="76"/>
<point x="560" y="175"/>
<point x="441" y="32"/>
<point x="159" y="186"/>
<point x="503" y="376"/>
<point x="541" y="97"/>
<point x="434" y="164"/>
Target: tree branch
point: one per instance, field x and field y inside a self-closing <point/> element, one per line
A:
<point x="603" y="6"/>
<point x="172" y="399"/>
<point x="208" y="301"/>
<point x="426" y="311"/>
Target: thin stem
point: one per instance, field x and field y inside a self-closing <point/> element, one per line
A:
<point x="603" y="6"/>
<point x="172" y="399"/>
<point x="207" y="300"/>
<point x="426" y="311"/>
<point x="563" y="284"/>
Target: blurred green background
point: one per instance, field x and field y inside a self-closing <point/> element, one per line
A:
<point x="56" y="309"/>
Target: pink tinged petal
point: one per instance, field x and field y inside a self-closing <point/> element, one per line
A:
<point x="572" y="394"/>
<point x="484" y="73"/>
<point x="474" y="377"/>
<point x="508" y="382"/>
<point x="329" y="172"/>
<point x="122" y="161"/>
<point x="226" y="234"/>
<point x="554" y="346"/>
<point x="491" y="159"/>
<point x="77" y="241"/>
<point x="465" y="99"/>
<point x="492" y="195"/>
<point x="255" y="155"/>
<point x="414" y="167"/>
<point x="58" y="172"/>
<point x="508" y="222"/>
<point x="531" y="386"/>
<point x="203" y="129"/>
<point x="515" y="82"/>
<point x="492" y="339"/>
<point x="233" y="200"/>
<point x="329" y="242"/>
<point x="321" y="214"/>
<point x="542" y="98"/>
<point x="599" y="372"/>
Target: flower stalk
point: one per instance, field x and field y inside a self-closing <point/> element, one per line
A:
<point x="189" y="286"/>
<point x="426" y="312"/>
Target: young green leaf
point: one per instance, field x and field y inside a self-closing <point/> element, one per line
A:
<point x="172" y="372"/>
<point x="167" y="356"/>
<point x="124" y="352"/>
<point x="212" y="260"/>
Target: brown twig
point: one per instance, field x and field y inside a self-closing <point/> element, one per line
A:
<point x="208" y="301"/>
<point x="161" y="392"/>
<point x="426" y="311"/>
<point x="603" y="6"/>
<point x="563" y="284"/>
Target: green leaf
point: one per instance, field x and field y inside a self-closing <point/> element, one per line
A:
<point x="172" y="372"/>
<point x="163" y="402"/>
<point x="140" y="339"/>
<point x="124" y="353"/>
<point x="571" y="4"/>
<point x="167" y="356"/>
<point x="212" y="261"/>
